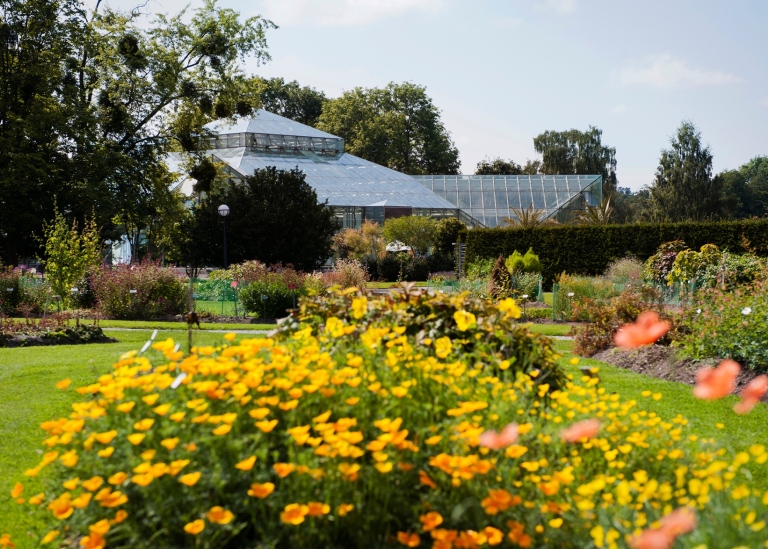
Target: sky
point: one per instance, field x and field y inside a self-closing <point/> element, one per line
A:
<point x="503" y="71"/>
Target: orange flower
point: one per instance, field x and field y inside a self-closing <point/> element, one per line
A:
<point x="581" y="429"/>
<point x="63" y="384"/>
<point x="17" y="490"/>
<point x="219" y="515"/>
<point x="93" y="483"/>
<point x="261" y="490"/>
<point x="751" y="394"/>
<point x="190" y="479"/>
<point x="318" y="508"/>
<point x="714" y="383"/>
<point x="49" y="537"/>
<point x="294" y="513"/>
<point x="679" y="521"/>
<point x="652" y="539"/>
<point x="344" y="509"/>
<point x="94" y="541"/>
<point x="646" y="330"/>
<point x="426" y="480"/>
<point x="247" y="464"/>
<point x="284" y="469"/>
<point x="431" y="520"/>
<point x="409" y="540"/>
<point x="494" y="535"/>
<point x="494" y="440"/>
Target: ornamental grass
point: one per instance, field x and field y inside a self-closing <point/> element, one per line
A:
<point x="411" y="421"/>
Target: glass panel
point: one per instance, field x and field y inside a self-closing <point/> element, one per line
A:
<point x="488" y="199"/>
<point x="501" y="198"/>
<point x="476" y="199"/>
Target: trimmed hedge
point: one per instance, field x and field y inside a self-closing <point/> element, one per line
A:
<point x="588" y="249"/>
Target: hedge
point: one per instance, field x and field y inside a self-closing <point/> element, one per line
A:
<point x="588" y="249"/>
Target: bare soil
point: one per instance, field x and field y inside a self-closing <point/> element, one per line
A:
<point x="664" y="363"/>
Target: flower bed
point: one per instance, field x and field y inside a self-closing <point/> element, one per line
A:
<point x="371" y="422"/>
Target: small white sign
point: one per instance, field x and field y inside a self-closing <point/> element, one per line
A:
<point x="264" y="297"/>
<point x="74" y="290"/>
<point x="176" y="349"/>
<point x="134" y="291"/>
<point x="146" y="346"/>
<point x="154" y="335"/>
<point x="176" y="382"/>
<point x="9" y="289"/>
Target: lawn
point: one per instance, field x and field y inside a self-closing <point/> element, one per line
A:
<point x="162" y="325"/>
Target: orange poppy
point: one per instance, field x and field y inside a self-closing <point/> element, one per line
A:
<point x="494" y="440"/>
<point x="579" y="430"/>
<point x="646" y="330"/>
<point x="679" y="521"/>
<point x="652" y="539"/>
<point x="751" y="394"/>
<point x="714" y="383"/>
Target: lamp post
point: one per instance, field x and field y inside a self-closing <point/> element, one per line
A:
<point x="224" y="212"/>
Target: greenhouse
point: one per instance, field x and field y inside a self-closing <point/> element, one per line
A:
<point x="491" y="198"/>
<point x="360" y="190"/>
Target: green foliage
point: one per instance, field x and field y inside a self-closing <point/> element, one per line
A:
<point x="589" y="249"/>
<point x="737" y="270"/>
<point x="684" y="188"/>
<point x="577" y="152"/>
<point x="290" y="99"/>
<point x="515" y="263"/>
<point x="70" y="254"/>
<point x="397" y="126"/>
<point x="268" y="298"/>
<point x="585" y="290"/>
<point x="730" y="324"/>
<point x="607" y="316"/>
<point x="448" y="230"/>
<point x="498" y="166"/>
<point x="367" y="242"/>
<point x="417" y="232"/>
<point x="658" y="267"/>
<point x="531" y="263"/>
<point x="689" y="265"/>
<point x="480" y="269"/>
<point x="626" y="270"/>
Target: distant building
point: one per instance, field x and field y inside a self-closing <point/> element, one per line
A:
<point x="360" y="190"/>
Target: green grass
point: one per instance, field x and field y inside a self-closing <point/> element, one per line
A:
<point x="160" y="325"/>
<point x="224" y="308"/>
<point x="550" y="329"/>
<point x="28" y="397"/>
<point x="386" y="285"/>
<point x="548" y="298"/>
<point x="738" y="432"/>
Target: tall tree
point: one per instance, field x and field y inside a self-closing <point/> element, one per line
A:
<point x="397" y="126"/>
<point x="274" y="217"/>
<point x="756" y="174"/>
<point x="498" y="166"/>
<point x="684" y="188"/>
<point x="577" y="152"/>
<point x="292" y="100"/>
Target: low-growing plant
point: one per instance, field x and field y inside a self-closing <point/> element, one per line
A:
<point x="627" y="270"/>
<point x="373" y="422"/>
<point x="141" y="291"/>
<point x="734" y="271"/>
<point x="730" y="324"/>
<point x="574" y="291"/>
<point x="346" y="273"/>
<point x="607" y="316"/>
<point x="480" y="269"/>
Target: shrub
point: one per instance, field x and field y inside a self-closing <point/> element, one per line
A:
<point x="480" y="269"/>
<point x="606" y="317"/>
<point x="690" y="265"/>
<point x="525" y="284"/>
<point x="11" y="290"/>
<point x="158" y="291"/>
<point x="584" y="289"/>
<point x="361" y="429"/>
<point x="347" y="273"/>
<point x="659" y="266"/>
<point x="589" y="249"/>
<point x="531" y="263"/>
<point x="737" y="270"/>
<point x="730" y="324"/>
<point x="500" y="282"/>
<point x="515" y="263"/>
<point x="269" y="298"/>
<point x="627" y="270"/>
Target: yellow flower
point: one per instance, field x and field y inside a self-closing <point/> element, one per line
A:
<point x="261" y="490"/>
<point x="162" y="409"/>
<point x="556" y="522"/>
<point x="219" y="515"/>
<point x="37" y="499"/>
<point x="464" y="320"/>
<point x="101" y="527"/>
<point x="93" y="483"/>
<point x="69" y="459"/>
<point x="126" y="407"/>
<point x="105" y="438"/>
<point x="222" y="429"/>
<point x="266" y="426"/>
<point x="294" y="514"/>
<point x="359" y="307"/>
<point x="509" y="307"/>
<point x="177" y="416"/>
<point x="443" y="347"/>
<point x="120" y="516"/>
<point x="150" y="399"/>
<point x="247" y="464"/>
<point x="117" y="478"/>
<point x="170" y="443"/>
<point x="106" y="452"/>
<point x="136" y="438"/>
<point x="142" y="480"/>
<point x="195" y="527"/>
<point x="190" y="479"/>
<point x="49" y="537"/>
<point x="230" y="336"/>
<point x="144" y="424"/>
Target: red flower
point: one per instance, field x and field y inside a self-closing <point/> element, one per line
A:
<point x="646" y="330"/>
<point x="751" y="394"/>
<point x="714" y="383"/>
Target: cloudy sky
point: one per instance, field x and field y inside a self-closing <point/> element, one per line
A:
<point x="503" y="71"/>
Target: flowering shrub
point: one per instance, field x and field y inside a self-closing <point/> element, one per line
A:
<point x="732" y="324"/>
<point x="27" y="293"/>
<point x="346" y="273"/>
<point x="157" y="291"/>
<point x="627" y="270"/>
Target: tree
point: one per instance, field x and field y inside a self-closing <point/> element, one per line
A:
<point x="448" y="230"/>
<point x="529" y="217"/>
<point x="756" y="174"/>
<point x="576" y="152"/>
<point x="367" y="242"/>
<point x="274" y="217"/>
<point x="416" y="232"/>
<point x="397" y="126"/>
<point x="596" y="215"/>
<point x="70" y="254"/>
<point x="684" y="188"/>
<point x="302" y="104"/>
<point x="498" y="166"/>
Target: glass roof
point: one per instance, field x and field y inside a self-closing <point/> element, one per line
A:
<point x="489" y="198"/>
<point x="342" y="179"/>
<point x="267" y="123"/>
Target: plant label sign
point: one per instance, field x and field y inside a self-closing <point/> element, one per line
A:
<point x="134" y="291"/>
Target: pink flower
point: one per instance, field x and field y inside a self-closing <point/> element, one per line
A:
<point x="494" y="440"/>
<point x="714" y="383"/>
<point x="646" y="330"/>
<point x="582" y="429"/>
<point x="751" y="394"/>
